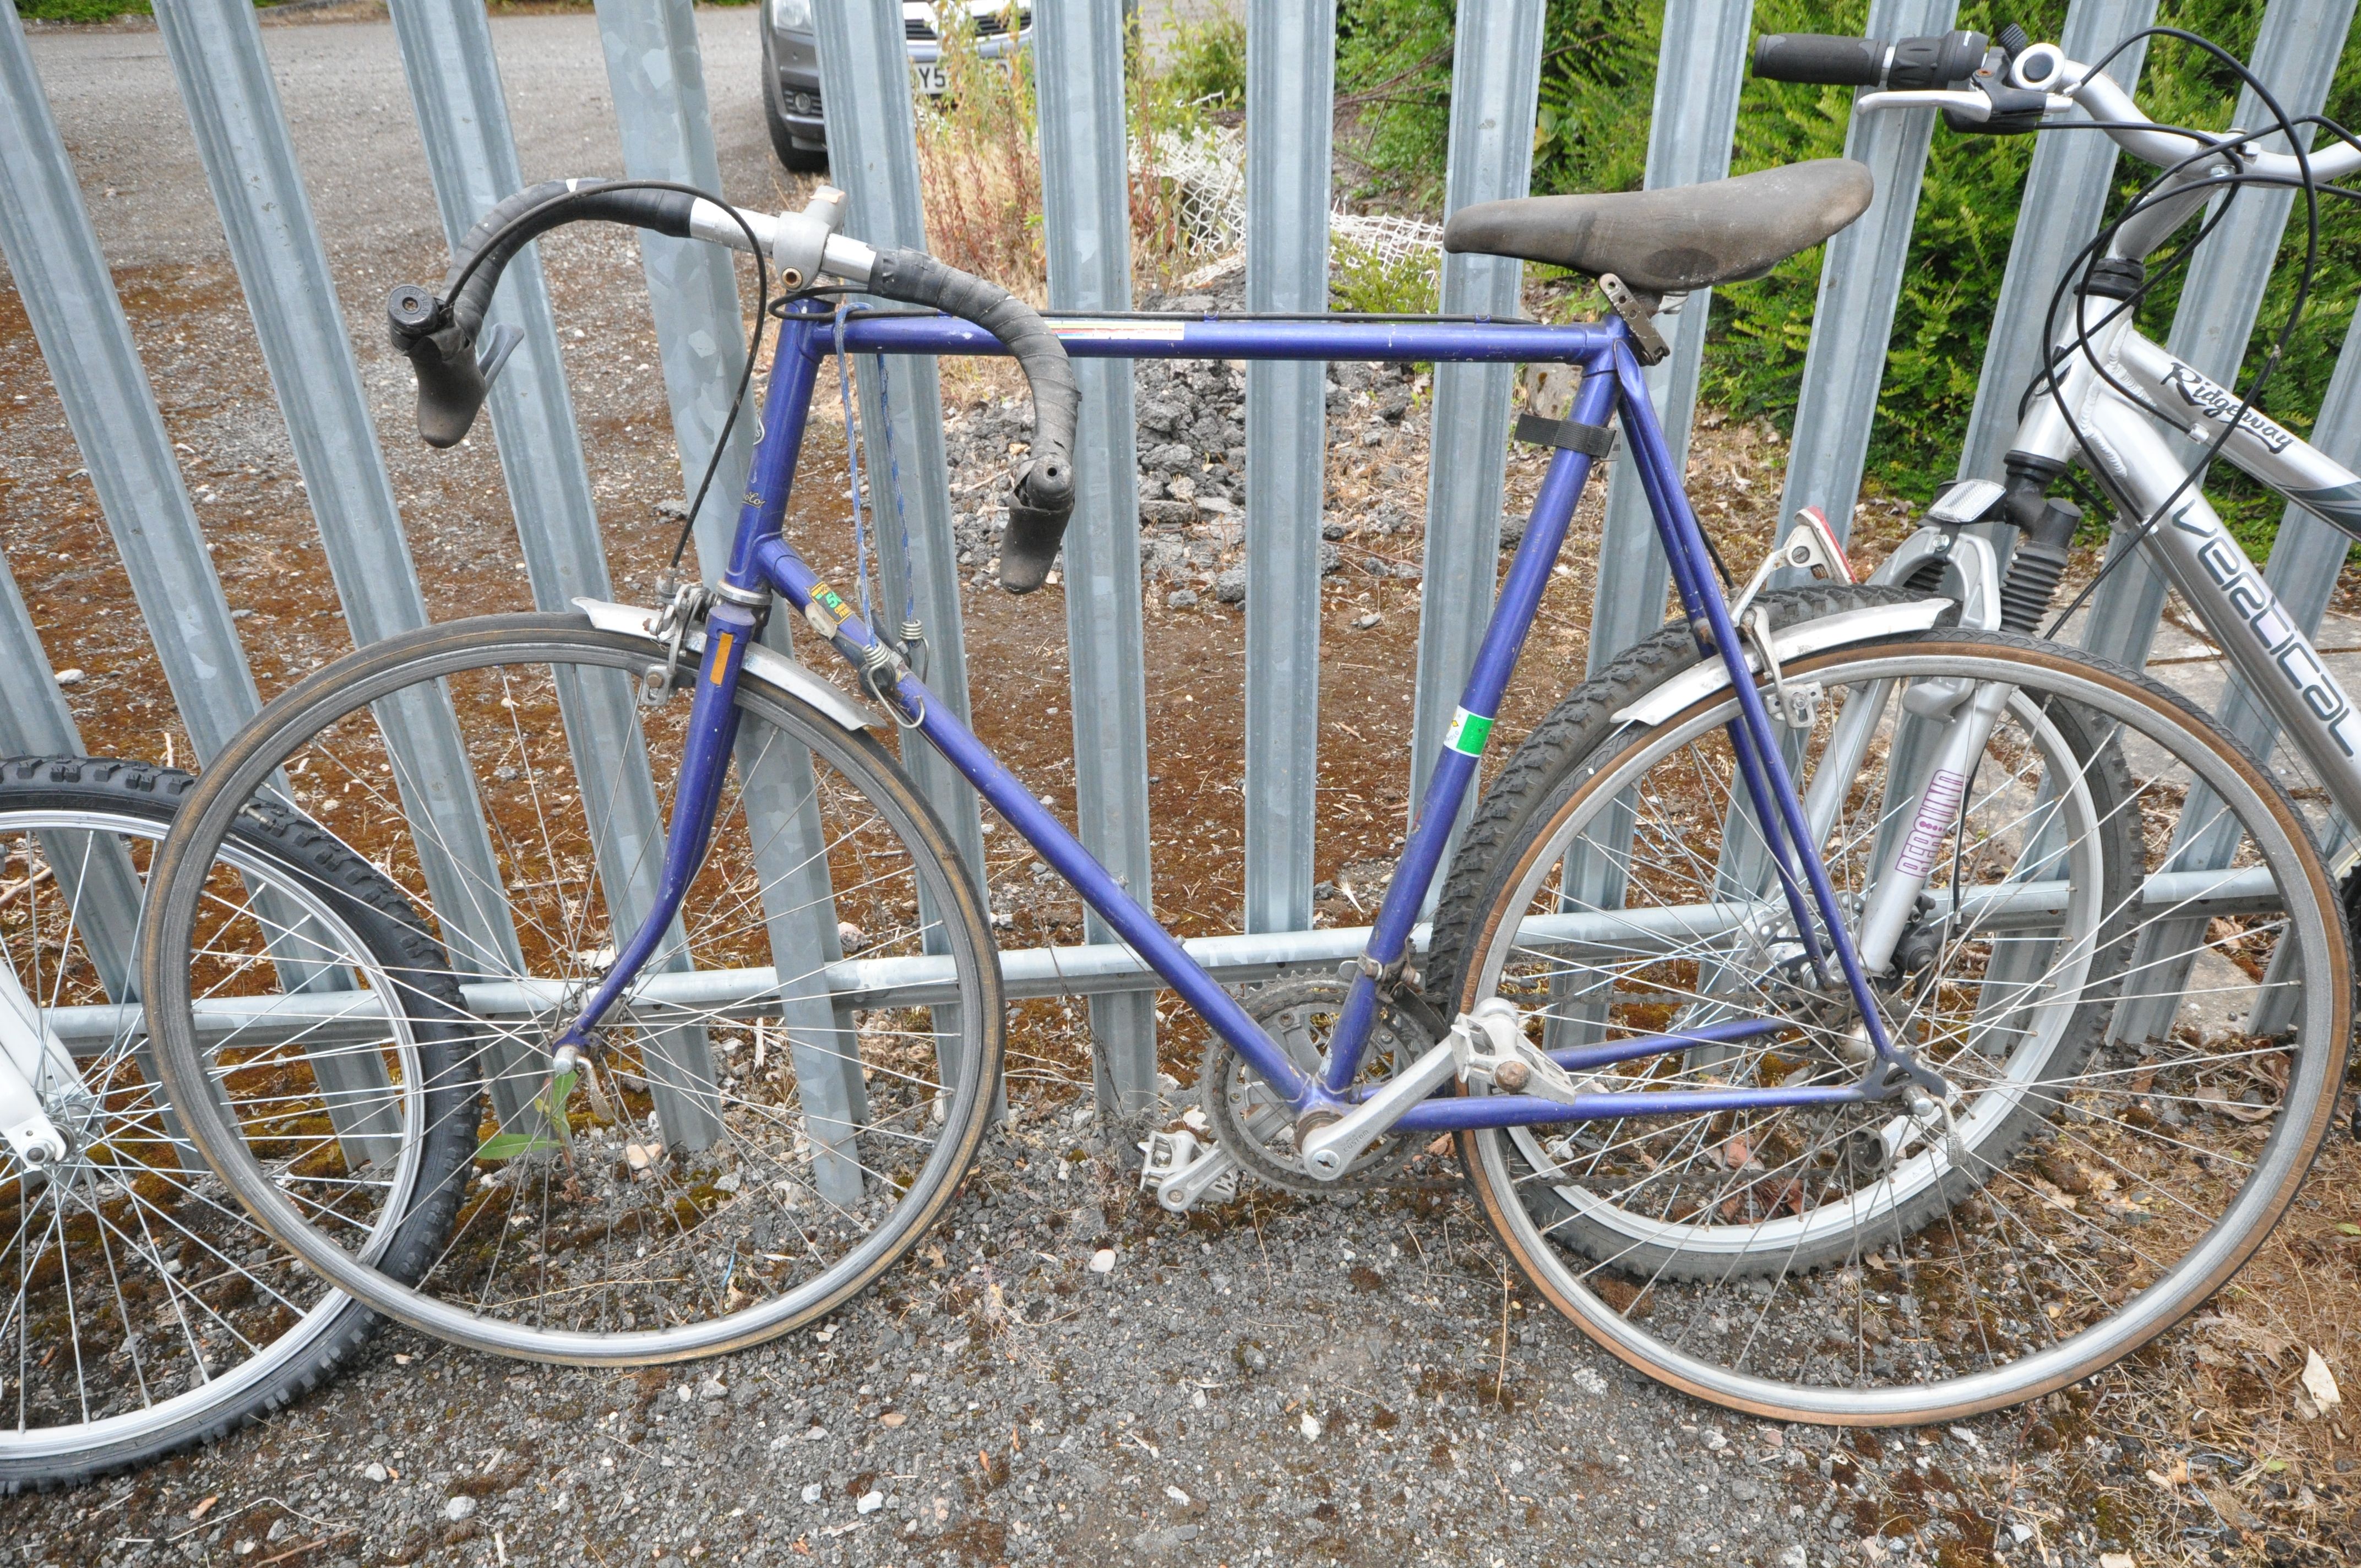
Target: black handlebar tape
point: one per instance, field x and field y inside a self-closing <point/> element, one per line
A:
<point x="1044" y="502"/>
<point x="552" y="202"/>
<point x="1821" y="58"/>
<point x="437" y="333"/>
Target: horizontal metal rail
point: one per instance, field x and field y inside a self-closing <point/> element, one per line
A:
<point x="1099" y="969"/>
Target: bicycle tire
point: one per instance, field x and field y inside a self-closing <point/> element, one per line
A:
<point x="2087" y="1144"/>
<point x="526" y="696"/>
<point x="48" y="803"/>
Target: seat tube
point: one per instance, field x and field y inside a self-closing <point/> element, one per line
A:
<point x="1751" y="738"/>
<point x="1471" y="726"/>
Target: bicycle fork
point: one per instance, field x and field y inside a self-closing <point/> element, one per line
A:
<point x="729" y="630"/>
<point x="30" y="1055"/>
<point x="1968" y="712"/>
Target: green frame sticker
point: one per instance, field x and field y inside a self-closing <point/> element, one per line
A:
<point x="1468" y="732"/>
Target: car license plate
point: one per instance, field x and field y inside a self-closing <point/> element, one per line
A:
<point x="932" y="79"/>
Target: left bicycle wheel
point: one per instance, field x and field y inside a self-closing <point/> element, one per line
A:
<point x="781" y="1102"/>
<point x="141" y="1311"/>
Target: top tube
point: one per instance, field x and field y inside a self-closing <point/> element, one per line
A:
<point x="1338" y="338"/>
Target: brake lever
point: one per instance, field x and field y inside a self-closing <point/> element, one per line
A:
<point x="493" y="354"/>
<point x="1974" y="106"/>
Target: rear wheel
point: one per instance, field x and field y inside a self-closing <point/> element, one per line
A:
<point x="141" y="1311"/>
<point x="2142" y="1035"/>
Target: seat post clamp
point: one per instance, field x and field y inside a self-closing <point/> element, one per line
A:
<point x="1646" y="341"/>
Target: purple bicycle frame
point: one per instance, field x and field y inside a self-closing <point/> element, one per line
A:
<point x="1612" y="387"/>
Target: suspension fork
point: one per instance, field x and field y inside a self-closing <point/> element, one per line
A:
<point x="1968" y="712"/>
<point x="30" y="1055"/>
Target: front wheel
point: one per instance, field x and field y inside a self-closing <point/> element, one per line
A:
<point x="779" y="1105"/>
<point x="2141" y="1043"/>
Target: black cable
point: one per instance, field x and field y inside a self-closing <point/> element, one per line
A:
<point x="2158" y="191"/>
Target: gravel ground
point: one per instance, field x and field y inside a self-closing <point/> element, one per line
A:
<point x="1068" y="1374"/>
<point x="1279" y="1380"/>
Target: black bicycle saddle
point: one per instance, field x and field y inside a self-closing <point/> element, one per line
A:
<point x="1679" y="238"/>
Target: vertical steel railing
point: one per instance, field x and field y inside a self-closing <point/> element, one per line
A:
<point x="1496" y="76"/>
<point x="657" y="74"/>
<point x="1860" y="283"/>
<point x="1086" y="225"/>
<point x="1699" y="67"/>
<point x="1290" y="94"/>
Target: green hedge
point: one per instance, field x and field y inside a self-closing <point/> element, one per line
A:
<point x="1598" y="79"/>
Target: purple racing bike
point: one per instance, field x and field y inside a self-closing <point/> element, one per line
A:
<point x="1772" y="994"/>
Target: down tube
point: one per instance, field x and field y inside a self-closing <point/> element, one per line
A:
<point x="791" y="574"/>
<point x="1009" y="797"/>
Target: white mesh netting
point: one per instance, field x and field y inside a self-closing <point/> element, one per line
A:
<point x="1207" y="175"/>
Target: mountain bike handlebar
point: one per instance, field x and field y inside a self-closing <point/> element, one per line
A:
<point x="2008" y="89"/>
<point x="439" y="332"/>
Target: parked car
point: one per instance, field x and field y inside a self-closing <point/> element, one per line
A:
<point x="791" y="65"/>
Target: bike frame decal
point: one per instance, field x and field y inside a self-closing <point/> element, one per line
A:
<point x="2200" y="559"/>
<point x="1611" y="387"/>
<point x="1936" y="805"/>
<point x="1468" y="732"/>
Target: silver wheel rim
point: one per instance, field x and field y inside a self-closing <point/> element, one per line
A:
<point x="23" y="1445"/>
<point x="1927" y="1163"/>
<point x="2136" y="1320"/>
<point x="456" y="1322"/>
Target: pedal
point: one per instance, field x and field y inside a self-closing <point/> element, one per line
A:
<point x="1513" y="1065"/>
<point x="1186" y="1173"/>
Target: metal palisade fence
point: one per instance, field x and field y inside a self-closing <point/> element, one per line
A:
<point x="217" y="55"/>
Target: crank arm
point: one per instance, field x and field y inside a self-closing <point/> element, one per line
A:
<point x="1181" y="1192"/>
<point x="1330" y="1151"/>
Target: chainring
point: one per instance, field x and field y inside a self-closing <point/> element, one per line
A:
<point x="1252" y="1122"/>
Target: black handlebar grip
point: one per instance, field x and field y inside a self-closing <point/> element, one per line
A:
<point x="1821" y="58"/>
<point x="1936" y="60"/>
<point x="443" y="356"/>
<point x="1044" y="502"/>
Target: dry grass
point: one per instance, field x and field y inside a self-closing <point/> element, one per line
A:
<point x="980" y="166"/>
<point x="980" y="170"/>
